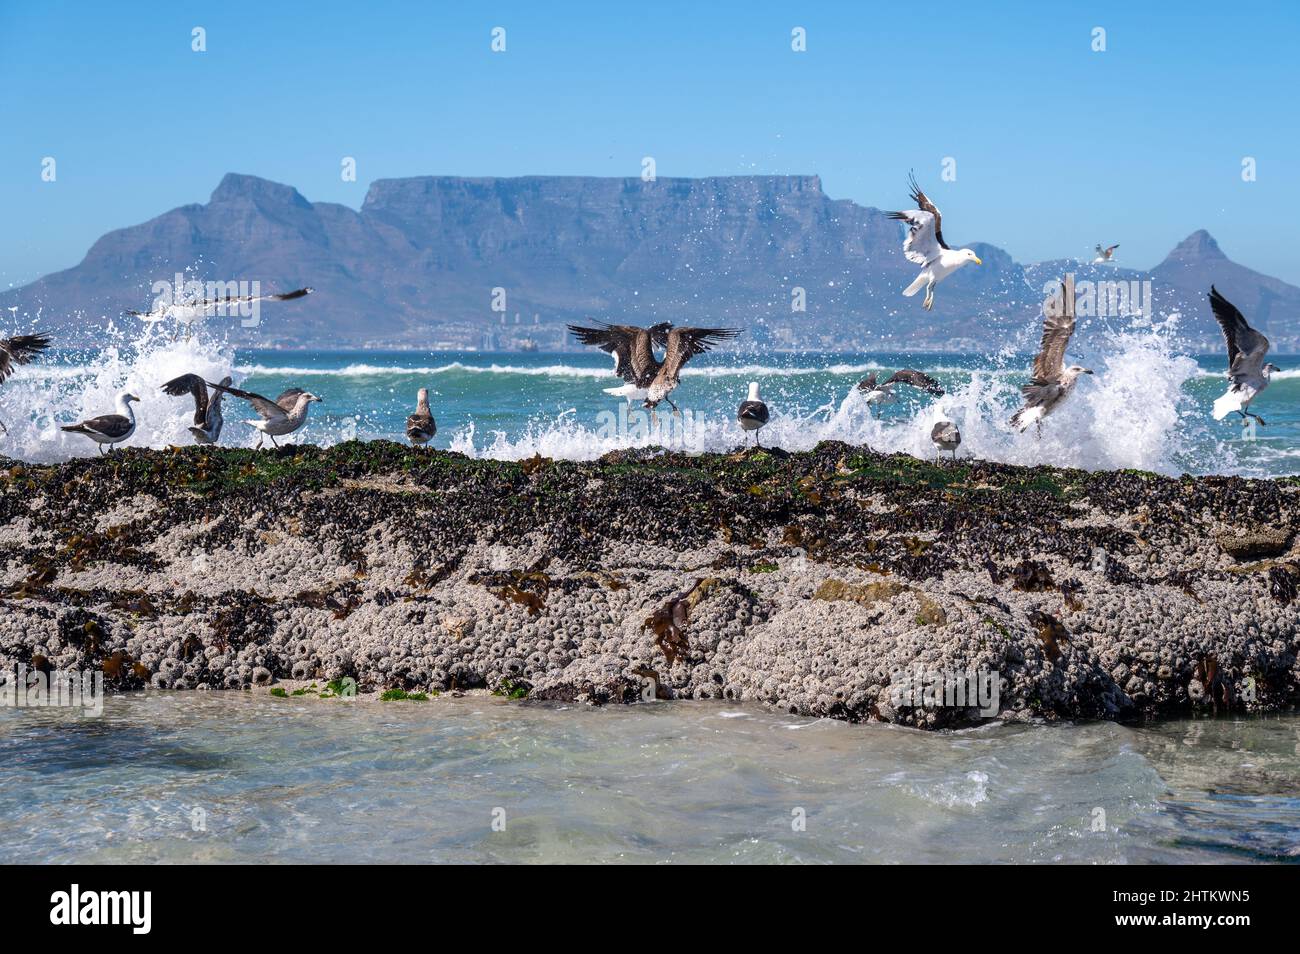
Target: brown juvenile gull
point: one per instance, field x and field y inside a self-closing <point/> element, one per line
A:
<point x="109" y="429"/>
<point x="752" y="413"/>
<point x="946" y="437"/>
<point x="1105" y="255"/>
<point x="420" y="426"/>
<point x="1247" y="369"/>
<point x="925" y="246"/>
<point x="683" y="344"/>
<point x="207" y="407"/>
<point x="1052" y="381"/>
<point x="880" y="394"/>
<point x="282" y="416"/>
<point x="20" y="349"/>
<point x="633" y="351"/>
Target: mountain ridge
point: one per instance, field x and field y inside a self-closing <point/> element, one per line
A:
<point x="453" y="261"/>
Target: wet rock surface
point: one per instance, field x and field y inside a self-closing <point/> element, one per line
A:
<point x="816" y="582"/>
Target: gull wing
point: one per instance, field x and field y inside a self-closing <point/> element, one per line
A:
<point x="1058" y="326"/>
<point x="264" y="406"/>
<point x="1246" y="346"/>
<point x="618" y="340"/>
<point x="20" y="349"/>
<point x="921" y="245"/>
<point x="917" y="380"/>
<point x="195" y="385"/>
<point x="925" y="205"/>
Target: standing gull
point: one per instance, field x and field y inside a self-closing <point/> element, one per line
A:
<point x="633" y="351"/>
<point x="1247" y="369"/>
<point x="20" y="349"/>
<point x="683" y="344"/>
<point x="878" y="393"/>
<point x="1052" y="381"/>
<point x="109" y="429"/>
<point x="925" y="246"/>
<point x="207" y="407"/>
<point x="946" y="437"/>
<point x="1105" y="255"/>
<point x="752" y="413"/>
<point x="420" y="426"/>
<point x="282" y="416"/>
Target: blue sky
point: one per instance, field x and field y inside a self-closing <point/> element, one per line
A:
<point x="1057" y="147"/>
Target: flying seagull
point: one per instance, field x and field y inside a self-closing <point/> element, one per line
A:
<point x="109" y="429"/>
<point x="420" y="426"/>
<point x="282" y="416"/>
<point x="752" y="413"/>
<point x="880" y="394"/>
<point x="925" y="246"/>
<point x="207" y="407"/>
<point x="1247" y="369"/>
<point x="633" y="351"/>
<point x="1105" y="255"/>
<point x="189" y="310"/>
<point x="1052" y="381"/>
<point x="946" y="437"/>
<point x="683" y="344"/>
<point x="20" y="349"/>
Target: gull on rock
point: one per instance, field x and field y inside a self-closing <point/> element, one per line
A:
<point x="752" y="413"/>
<point x="207" y="407"/>
<point x="420" y="426"/>
<point x="946" y="437"/>
<point x="108" y="429"/>
<point x="633" y="350"/>
<point x="282" y="416"/>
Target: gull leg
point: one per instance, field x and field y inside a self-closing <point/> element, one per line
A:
<point x="273" y="440"/>
<point x="929" y="296"/>
<point x="676" y="411"/>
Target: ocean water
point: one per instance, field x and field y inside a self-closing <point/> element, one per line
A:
<point x="1147" y="406"/>
<point x="243" y="777"/>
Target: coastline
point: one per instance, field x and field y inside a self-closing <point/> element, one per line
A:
<point x="813" y="582"/>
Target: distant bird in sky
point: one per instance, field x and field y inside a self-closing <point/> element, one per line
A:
<point x="879" y="394"/>
<point x="633" y="351"/>
<point x="752" y="413"/>
<point x="925" y="246"/>
<point x="1105" y="255"/>
<point x="1052" y="381"/>
<point x="108" y="429"/>
<point x="187" y="311"/>
<point x="207" y="407"/>
<point x="946" y="437"/>
<point x="683" y="344"/>
<point x="20" y="349"/>
<point x="420" y="426"/>
<point x="282" y="416"/>
<point x="1247" y="369"/>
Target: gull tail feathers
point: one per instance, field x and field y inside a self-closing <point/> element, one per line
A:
<point x="917" y="284"/>
<point x="1226" y="405"/>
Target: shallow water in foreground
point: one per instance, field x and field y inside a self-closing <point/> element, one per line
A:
<point x="330" y="781"/>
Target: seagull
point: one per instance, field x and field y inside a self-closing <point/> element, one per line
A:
<point x="633" y="351"/>
<point x="880" y="394"/>
<point x="1052" y="381"/>
<point x="1105" y="255"/>
<point x="683" y="343"/>
<point x="1246" y="366"/>
<point x="752" y="412"/>
<point x="20" y="349"/>
<point x="925" y="246"/>
<point x="109" y="429"/>
<point x="187" y="311"/>
<point x="207" y="407"/>
<point x="420" y="426"/>
<point x="282" y="416"/>
<point x="946" y="437"/>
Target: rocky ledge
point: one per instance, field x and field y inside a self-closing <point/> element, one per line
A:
<point x="820" y="582"/>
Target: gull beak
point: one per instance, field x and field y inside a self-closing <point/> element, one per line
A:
<point x="978" y="261"/>
<point x="1087" y="370"/>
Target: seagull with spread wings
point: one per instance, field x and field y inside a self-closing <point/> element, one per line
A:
<point x="20" y="349"/>
<point x="187" y="311"/>
<point x="1247" y="369"/>
<point x="282" y="416"/>
<point x="925" y="246"/>
<point x="633" y="351"/>
<point x="207" y="407"/>
<point x="1105" y="255"/>
<point x="881" y="393"/>
<point x="1052" y="381"/>
<point x="682" y="345"/>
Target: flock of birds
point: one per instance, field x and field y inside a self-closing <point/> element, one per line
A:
<point x="651" y="379"/>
